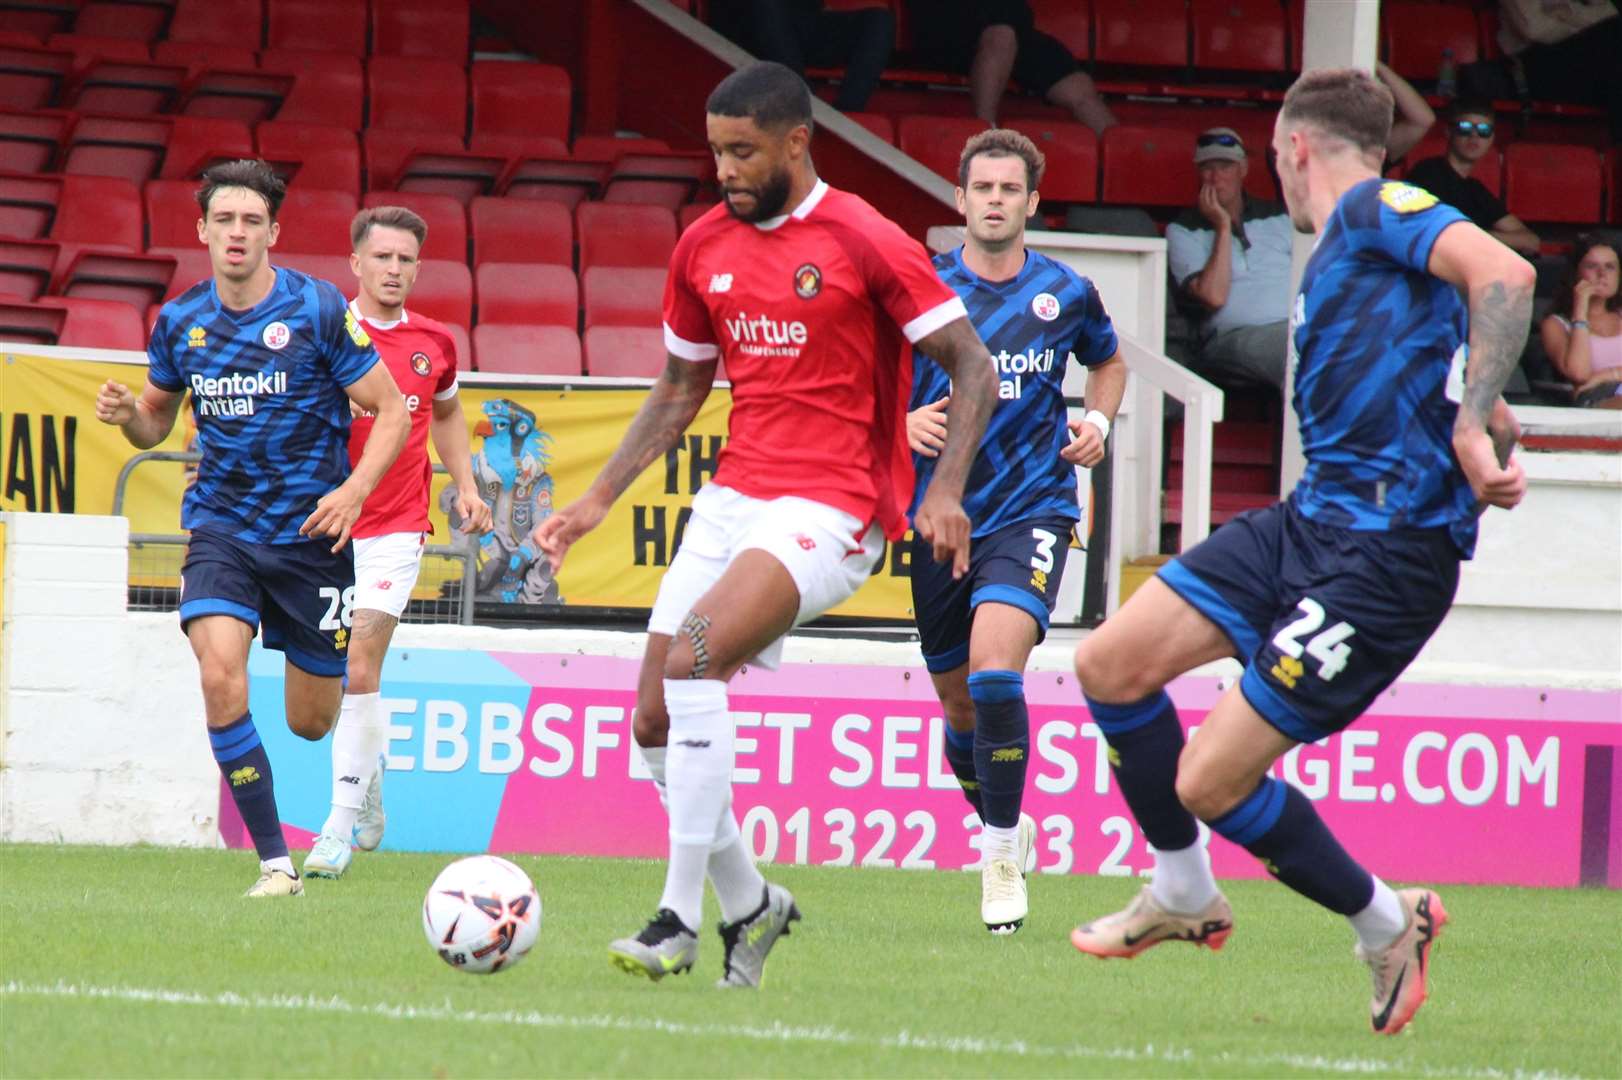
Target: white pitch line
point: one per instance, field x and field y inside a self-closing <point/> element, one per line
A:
<point x="772" y="1032"/>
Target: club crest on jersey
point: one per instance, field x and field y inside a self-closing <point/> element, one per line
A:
<point x="276" y="336"/>
<point x="1405" y="198"/>
<point x="1045" y="306"/>
<point x="356" y="334"/>
<point x="420" y="363"/>
<point x="807" y="281"/>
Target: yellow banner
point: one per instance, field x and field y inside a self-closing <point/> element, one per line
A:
<point x="533" y="448"/>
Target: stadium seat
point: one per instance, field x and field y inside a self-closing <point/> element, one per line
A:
<point x="526" y="350"/>
<point x="311" y="155"/>
<point x="197" y="56"/>
<point x="28" y="205"/>
<point x="528" y="293"/>
<point x="30" y="141"/>
<point x="387" y="151"/>
<point x="218" y="22"/>
<point x="460" y="176"/>
<point x="32" y="78"/>
<point x="521" y="230"/>
<point x="409" y="93"/>
<point x="245" y="97"/>
<point x="610" y="148"/>
<point x="520" y="98"/>
<point x="32" y="323"/>
<point x="137" y="280"/>
<point x="196" y="142"/>
<point x="1141" y="33"/>
<point x="878" y="123"/>
<point x="1071" y="151"/>
<point x="666" y="180"/>
<point x="1068" y="20"/>
<point x="464" y="345"/>
<point x="121" y="19"/>
<point x="437" y="29"/>
<point x="623" y="296"/>
<point x="171" y="213"/>
<point x="444" y="291"/>
<point x="512" y="146"/>
<point x="1613" y="183"/>
<point x="125" y="146"/>
<point x="1414" y="35"/>
<point x="21" y="39"/>
<point x="936" y="142"/>
<point x="191" y="266"/>
<point x="626" y="351"/>
<point x="333" y="268"/>
<point x="1553" y="182"/>
<point x="316" y="222"/>
<point x="329" y="88"/>
<point x="691" y="213"/>
<point x="27" y="267"/>
<point x="87" y="50"/>
<point x="37" y="19"/>
<point x="624" y="235"/>
<point x="1238" y="35"/>
<point x="98" y="324"/>
<point x="123" y="88"/>
<point x="99" y="210"/>
<point x="561" y="180"/>
<point x="446" y="218"/>
<point x="1149" y="166"/>
<point x="317" y="25"/>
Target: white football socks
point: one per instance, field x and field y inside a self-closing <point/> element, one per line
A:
<point x="730" y="868"/>
<point x="1383" y="921"/>
<point x="356" y="743"/>
<point x="698" y="781"/>
<point x="1182" y="882"/>
<point x="997" y="843"/>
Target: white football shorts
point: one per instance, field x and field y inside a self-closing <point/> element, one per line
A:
<point x="386" y="569"/>
<point x="825" y="550"/>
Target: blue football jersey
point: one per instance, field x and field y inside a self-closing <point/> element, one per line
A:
<point x="267" y="395"/>
<point x="1379" y="345"/>
<point x="1031" y="323"/>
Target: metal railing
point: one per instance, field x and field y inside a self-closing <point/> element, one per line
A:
<point x="156" y="558"/>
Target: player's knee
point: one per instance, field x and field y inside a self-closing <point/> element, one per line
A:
<point x="225" y="687"/>
<point x="1201" y="789"/>
<point x="651" y="725"/>
<point x="362" y="677"/>
<point x="311" y="724"/>
<point x="1099" y="678"/>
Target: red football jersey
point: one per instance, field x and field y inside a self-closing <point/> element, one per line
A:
<point x="421" y="355"/>
<point x="813" y="315"/>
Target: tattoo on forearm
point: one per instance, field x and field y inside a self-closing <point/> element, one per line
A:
<point x="670" y="406"/>
<point x="1499" y="321"/>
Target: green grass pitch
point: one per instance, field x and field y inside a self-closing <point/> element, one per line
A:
<point x="146" y="962"/>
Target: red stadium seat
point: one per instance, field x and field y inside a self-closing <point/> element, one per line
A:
<point x="507" y="349"/>
<point x="28" y="205"/>
<point x="464" y="346"/>
<point x="520" y="98"/>
<point x="623" y="296"/>
<point x="691" y="213"/>
<point x="1415" y="34"/>
<point x="936" y="142"/>
<point x="316" y="222"/>
<point x="98" y="324"/>
<point x="33" y="323"/>
<point x="171" y="213"/>
<point x="313" y="155"/>
<point x="633" y="351"/>
<point x="191" y="266"/>
<point x="666" y="180"/>
<point x="27" y="267"/>
<point x="1071" y="151"/>
<point x="333" y="268"/>
<point x="1141" y="33"/>
<point x="446" y="218"/>
<point x="444" y="291"/>
<point x="1613" y="183"/>
<point x="87" y="50"/>
<point x="137" y="280"/>
<point x="30" y="141"/>
<point x="610" y="148"/>
<point x="317" y="25"/>
<point x="437" y="29"/>
<point x="129" y="147"/>
<point x="521" y="230"/>
<point x="878" y="123"/>
<point x="1553" y="182"/>
<point x="21" y="39"/>
<point x="141" y="22"/>
<point x="123" y="88"/>
<point x="244" y="97"/>
<point x="196" y="142"/>
<point x="32" y="78"/>
<point x="1238" y="35"/>
<point x="528" y="293"/>
<point x="99" y="210"/>
<point x="1149" y="166"/>
<point x="409" y="93"/>
<point x="624" y="235"/>
<point x="197" y="56"/>
<point x="218" y="22"/>
<point x="388" y="151"/>
<point x="40" y="20"/>
<point x="517" y="146"/>
<point x="1069" y="21"/>
<point x="461" y="176"/>
<point x="330" y="88"/>
<point x="561" y="180"/>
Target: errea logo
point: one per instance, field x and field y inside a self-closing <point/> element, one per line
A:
<point x="720" y="283"/>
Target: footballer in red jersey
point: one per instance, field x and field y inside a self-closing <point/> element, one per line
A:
<point x="814" y="301"/>
<point x="421" y="355"/>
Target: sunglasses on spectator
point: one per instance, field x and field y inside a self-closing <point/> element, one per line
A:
<point x="1218" y="140"/>
<point x="1466" y="128"/>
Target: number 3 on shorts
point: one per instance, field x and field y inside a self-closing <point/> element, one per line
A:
<point x="345" y="600"/>
<point x="1328" y="648"/>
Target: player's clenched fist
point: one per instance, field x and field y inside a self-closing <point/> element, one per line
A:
<point x="115" y="404"/>
<point x="557" y="534"/>
<point x="1086" y="446"/>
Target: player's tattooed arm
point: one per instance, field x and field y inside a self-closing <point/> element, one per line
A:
<point x="1500" y="316"/>
<point x="940" y="518"/>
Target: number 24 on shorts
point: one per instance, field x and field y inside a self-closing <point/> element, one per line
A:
<point x="1329" y="647"/>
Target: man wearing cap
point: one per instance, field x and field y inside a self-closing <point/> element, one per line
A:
<point x="1230" y="257"/>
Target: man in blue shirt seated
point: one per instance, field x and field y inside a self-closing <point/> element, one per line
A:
<point x="1230" y="257"/>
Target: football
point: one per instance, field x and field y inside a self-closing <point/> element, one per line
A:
<point x="482" y="914"/>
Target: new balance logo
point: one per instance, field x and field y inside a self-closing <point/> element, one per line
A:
<point x="1008" y="753"/>
<point x="720" y="283"/>
<point x="385" y="586"/>
<point x="245" y="775"/>
<point x="349" y="780"/>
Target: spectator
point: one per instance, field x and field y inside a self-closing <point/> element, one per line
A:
<point x="1412" y="116"/>
<point x="1566" y="50"/>
<point x="799" y="32"/>
<point x="1470" y="131"/>
<point x="1230" y="257"/>
<point x="1583" y="334"/>
<point x="991" y="40"/>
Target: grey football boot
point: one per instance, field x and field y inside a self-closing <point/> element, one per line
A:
<point x="749" y="939"/>
<point x="664" y="947"/>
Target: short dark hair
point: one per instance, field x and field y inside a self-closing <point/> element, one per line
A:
<point x="1567" y="291"/>
<point x="1344" y="103"/>
<point x="254" y="175"/>
<point x="389" y="217"/>
<point x="1001" y="142"/>
<point x="768" y="93"/>
<point x="1470" y="107"/>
